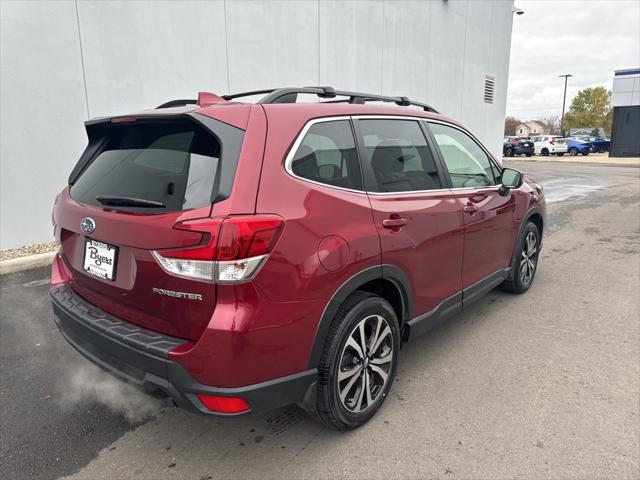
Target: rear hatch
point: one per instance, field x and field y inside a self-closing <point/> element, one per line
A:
<point x="526" y="143"/>
<point x="133" y="192"/>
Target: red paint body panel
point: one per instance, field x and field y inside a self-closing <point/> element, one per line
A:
<point x="490" y="231"/>
<point x="428" y="248"/>
<point x="251" y="339"/>
<point x="247" y="178"/>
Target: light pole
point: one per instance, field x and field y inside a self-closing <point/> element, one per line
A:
<point x="564" y="99"/>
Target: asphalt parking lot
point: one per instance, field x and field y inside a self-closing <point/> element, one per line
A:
<point x="542" y="385"/>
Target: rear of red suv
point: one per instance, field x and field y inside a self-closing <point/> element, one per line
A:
<point x="159" y="242"/>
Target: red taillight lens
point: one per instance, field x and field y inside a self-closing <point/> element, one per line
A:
<point x="246" y="237"/>
<point x="233" y="249"/>
<point x="552" y="142"/>
<point x="209" y="227"/>
<point x="514" y="143"/>
<point x="224" y="404"/>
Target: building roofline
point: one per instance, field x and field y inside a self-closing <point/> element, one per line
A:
<point x="628" y="71"/>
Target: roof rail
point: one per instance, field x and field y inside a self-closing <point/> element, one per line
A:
<point x="290" y="95"/>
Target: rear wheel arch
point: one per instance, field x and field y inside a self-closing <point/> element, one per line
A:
<point x="386" y="281"/>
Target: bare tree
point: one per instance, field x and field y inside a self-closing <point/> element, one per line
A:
<point x="510" y="124"/>
<point x="553" y="122"/>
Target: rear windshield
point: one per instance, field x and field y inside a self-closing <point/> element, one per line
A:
<point x="155" y="166"/>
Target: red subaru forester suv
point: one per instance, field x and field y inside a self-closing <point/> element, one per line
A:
<point x="239" y="257"/>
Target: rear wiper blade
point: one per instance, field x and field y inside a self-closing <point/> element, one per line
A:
<point x="118" y="201"/>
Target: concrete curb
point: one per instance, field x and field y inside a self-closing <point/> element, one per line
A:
<point x="627" y="162"/>
<point x="26" y="263"/>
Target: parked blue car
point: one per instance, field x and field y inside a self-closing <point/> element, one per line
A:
<point x="575" y="146"/>
<point x="598" y="144"/>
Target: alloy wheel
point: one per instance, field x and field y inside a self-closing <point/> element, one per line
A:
<point x="528" y="259"/>
<point x="365" y="364"/>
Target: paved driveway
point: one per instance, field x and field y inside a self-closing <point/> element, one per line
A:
<point x="543" y="385"/>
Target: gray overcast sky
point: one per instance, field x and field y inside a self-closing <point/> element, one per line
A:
<point x="589" y="39"/>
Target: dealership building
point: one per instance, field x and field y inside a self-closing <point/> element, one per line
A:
<point x="64" y="62"/>
<point x="625" y="101"/>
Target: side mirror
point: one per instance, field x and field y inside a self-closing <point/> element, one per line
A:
<point x="510" y="179"/>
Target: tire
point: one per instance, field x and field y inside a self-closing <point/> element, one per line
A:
<point x="573" y="151"/>
<point x="560" y="154"/>
<point x="545" y="152"/>
<point x="602" y="149"/>
<point x="509" y="152"/>
<point x="528" y="154"/>
<point x="585" y="153"/>
<point x="348" y="411"/>
<point x="520" y="280"/>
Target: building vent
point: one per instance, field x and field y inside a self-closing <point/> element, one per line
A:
<point x="489" y="87"/>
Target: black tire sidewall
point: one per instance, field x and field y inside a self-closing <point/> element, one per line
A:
<point x="529" y="227"/>
<point x="372" y="305"/>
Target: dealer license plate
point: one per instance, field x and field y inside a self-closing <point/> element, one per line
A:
<point x="100" y="259"/>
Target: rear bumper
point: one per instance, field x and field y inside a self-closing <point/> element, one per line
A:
<point x="140" y="357"/>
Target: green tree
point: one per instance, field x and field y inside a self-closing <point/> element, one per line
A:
<point x="590" y="108"/>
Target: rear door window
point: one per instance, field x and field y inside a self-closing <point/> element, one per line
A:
<point x="398" y="156"/>
<point x="170" y="164"/>
<point x="327" y="154"/>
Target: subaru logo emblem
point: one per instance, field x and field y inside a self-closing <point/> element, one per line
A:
<point x="87" y="225"/>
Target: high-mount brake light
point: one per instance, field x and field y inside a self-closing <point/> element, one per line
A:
<point x="123" y="119"/>
<point x="232" y="249"/>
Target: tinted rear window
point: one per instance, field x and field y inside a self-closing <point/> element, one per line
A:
<point x="170" y="162"/>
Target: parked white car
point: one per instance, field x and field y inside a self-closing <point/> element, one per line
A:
<point x="546" y="145"/>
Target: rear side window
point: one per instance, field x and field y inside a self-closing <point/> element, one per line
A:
<point x="327" y="154"/>
<point x="399" y="156"/>
<point x="171" y="165"/>
<point x="468" y="164"/>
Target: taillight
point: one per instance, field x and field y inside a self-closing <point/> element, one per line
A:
<point x="514" y="143"/>
<point x="552" y="142"/>
<point x="232" y="250"/>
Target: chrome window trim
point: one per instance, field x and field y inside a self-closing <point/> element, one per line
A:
<point x="296" y="144"/>
<point x="399" y="117"/>
<point x="475" y="139"/>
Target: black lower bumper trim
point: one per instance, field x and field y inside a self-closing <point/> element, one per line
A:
<point x="139" y="357"/>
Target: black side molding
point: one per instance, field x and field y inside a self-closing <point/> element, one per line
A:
<point x="455" y="304"/>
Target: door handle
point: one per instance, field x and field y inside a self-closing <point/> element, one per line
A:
<point x="470" y="208"/>
<point x="394" y="222"/>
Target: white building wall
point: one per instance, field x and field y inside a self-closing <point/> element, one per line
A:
<point x="65" y="61"/>
<point x="626" y="88"/>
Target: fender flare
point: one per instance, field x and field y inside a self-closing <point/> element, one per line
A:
<point x="387" y="272"/>
<point x="525" y="218"/>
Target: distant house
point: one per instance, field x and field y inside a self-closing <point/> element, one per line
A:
<point x="534" y="127"/>
<point x="585" y="131"/>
